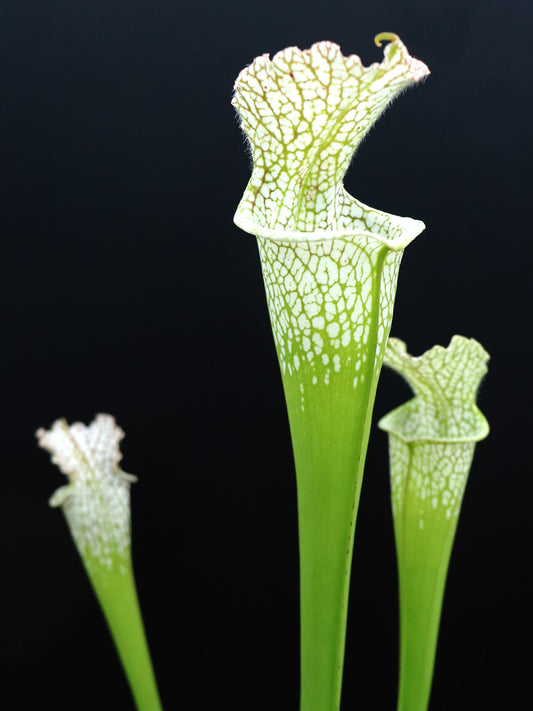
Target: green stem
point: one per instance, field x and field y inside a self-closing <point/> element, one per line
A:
<point x="420" y="613"/>
<point x="330" y="439"/>
<point x="118" y="599"/>
<point x="424" y="541"/>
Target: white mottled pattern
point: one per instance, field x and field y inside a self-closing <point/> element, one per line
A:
<point x="428" y="479"/>
<point x="305" y="113"/>
<point x="324" y="299"/>
<point x="432" y="437"/>
<point x="445" y="382"/>
<point x="96" y="502"/>
<point x="329" y="262"/>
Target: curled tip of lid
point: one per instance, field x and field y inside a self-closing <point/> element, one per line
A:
<point x="385" y="37"/>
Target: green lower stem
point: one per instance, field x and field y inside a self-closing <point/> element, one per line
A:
<point x="116" y="592"/>
<point x="326" y="533"/>
<point x="422" y="584"/>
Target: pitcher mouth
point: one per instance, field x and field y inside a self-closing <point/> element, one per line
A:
<point x="395" y="234"/>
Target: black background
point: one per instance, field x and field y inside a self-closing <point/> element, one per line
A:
<point x="125" y="288"/>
